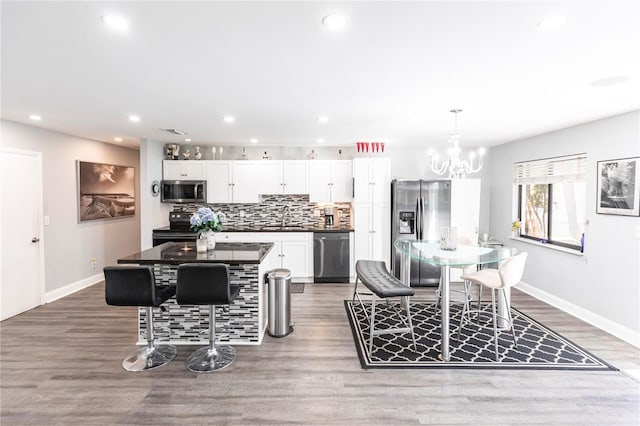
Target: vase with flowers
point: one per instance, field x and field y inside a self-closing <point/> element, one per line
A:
<point x="515" y="228"/>
<point x="206" y="223"/>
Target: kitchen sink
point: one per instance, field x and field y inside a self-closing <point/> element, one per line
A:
<point x="282" y="228"/>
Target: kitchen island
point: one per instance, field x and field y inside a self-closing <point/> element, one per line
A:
<point x="242" y="322"/>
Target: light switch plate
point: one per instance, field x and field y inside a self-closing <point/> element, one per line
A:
<point x="46" y="221"/>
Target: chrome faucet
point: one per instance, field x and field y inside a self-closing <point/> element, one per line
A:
<point x="287" y="211"/>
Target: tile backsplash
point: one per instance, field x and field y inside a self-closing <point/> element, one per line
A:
<point x="270" y="208"/>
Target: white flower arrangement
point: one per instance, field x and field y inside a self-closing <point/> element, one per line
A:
<point x="206" y="219"/>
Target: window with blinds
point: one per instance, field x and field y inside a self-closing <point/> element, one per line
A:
<point x="559" y="169"/>
<point x="552" y="200"/>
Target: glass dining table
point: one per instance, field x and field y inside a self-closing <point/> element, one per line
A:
<point x="464" y="255"/>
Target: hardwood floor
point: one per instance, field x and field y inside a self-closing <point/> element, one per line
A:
<point x="60" y="364"/>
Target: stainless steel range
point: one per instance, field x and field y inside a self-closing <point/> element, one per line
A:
<point x="177" y="231"/>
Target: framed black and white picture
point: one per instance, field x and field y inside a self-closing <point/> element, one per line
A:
<point x="619" y="187"/>
<point x="105" y="191"/>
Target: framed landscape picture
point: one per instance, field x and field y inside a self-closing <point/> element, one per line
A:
<point x="619" y="187"/>
<point x="105" y="191"/>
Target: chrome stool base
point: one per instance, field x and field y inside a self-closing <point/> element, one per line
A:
<point x="207" y="359"/>
<point x="148" y="358"/>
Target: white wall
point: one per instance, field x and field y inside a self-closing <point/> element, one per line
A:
<point x="69" y="244"/>
<point x="604" y="285"/>
<point x="154" y="214"/>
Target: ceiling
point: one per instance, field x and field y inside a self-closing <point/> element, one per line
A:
<point x="392" y="74"/>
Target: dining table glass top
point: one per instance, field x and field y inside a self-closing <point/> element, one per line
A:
<point x="430" y="252"/>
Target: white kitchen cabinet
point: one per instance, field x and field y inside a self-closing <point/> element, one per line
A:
<point x="330" y="181"/>
<point x="282" y="177"/>
<point x="232" y="181"/>
<point x="183" y="170"/>
<point x="235" y="237"/>
<point x="371" y="180"/>
<point x="372" y="232"/>
<point x="295" y="251"/>
<point x="244" y="182"/>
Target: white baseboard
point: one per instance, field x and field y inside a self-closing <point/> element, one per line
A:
<point x="68" y="289"/>
<point x="611" y="327"/>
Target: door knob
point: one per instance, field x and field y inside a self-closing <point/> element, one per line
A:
<point x="35" y="239"/>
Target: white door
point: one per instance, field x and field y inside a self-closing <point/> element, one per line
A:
<point x="380" y="173"/>
<point x="295" y="257"/>
<point x="245" y="189"/>
<point x="270" y="181"/>
<point x="218" y="182"/>
<point x="172" y="170"/>
<point x="319" y="180"/>
<point x="21" y="253"/>
<point x="194" y="170"/>
<point x="362" y="226"/>
<point x="380" y="230"/>
<point x="361" y="181"/>
<point x="342" y="181"/>
<point x="295" y="175"/>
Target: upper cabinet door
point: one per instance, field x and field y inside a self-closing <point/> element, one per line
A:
<point x="183" y="170"/>
<point x="341" y="181"/>
<point x="319" y="181"/>
<point x="244" y="183"/>
<point x="372" y="180"/>
<point x="380" y="172"/>
<point x="295" y="176"/>
<point x="270" y="179"/>
<point x="361" y="181"/>
<point x="172" y="170"/>
<point x="219" y="182"/>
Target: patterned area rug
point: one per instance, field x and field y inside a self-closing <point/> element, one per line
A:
<point x="538" y="346"/>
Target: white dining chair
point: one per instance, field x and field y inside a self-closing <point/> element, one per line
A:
<point x="508" y="274"/>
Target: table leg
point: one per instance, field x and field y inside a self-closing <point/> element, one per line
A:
<point x="444" y="311"/>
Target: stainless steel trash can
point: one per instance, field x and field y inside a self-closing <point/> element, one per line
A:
<point x="279" y="282"/>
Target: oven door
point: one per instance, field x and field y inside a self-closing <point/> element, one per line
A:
<point x="173" y="236"/>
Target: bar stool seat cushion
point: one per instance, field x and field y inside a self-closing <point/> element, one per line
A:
<point x="486" y="277"/>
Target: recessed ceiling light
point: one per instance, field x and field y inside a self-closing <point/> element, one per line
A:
<point x="187" y="140"/>
<point x="609" y="81"/>
<point x="323" y="119"/>
<point x="134" y="118"/>
<point x="117" y="139"/>
<point x="35" y="117"/>
<point x="115" y="22"/>
<point x="334" y="21"/>
<point x="228" y="119"/>
<point x="320" y="140"/>
<point x="551" y="23"/>
<point x="254" y="140"/>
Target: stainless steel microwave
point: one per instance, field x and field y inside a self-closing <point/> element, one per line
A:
<point x="183" y="191"/>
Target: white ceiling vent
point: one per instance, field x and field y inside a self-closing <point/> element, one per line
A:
<point x="175" y="131"/>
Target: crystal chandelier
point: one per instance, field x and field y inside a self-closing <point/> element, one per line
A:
<point x="456" y="167"/>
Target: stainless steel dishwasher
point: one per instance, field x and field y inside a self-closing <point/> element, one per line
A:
<point x="331" y="257"/>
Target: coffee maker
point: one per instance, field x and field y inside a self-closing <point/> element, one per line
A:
<point x="328" y="216"/>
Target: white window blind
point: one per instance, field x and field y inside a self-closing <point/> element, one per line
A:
<point x="551" y="170"/>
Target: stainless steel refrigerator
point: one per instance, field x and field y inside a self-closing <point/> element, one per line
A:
<point x="421" y="207"/>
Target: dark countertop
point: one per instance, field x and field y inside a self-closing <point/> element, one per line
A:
<point x="273" y="228"/>
<point x="177" y="253"/>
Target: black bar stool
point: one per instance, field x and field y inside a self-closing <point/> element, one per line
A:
<point x="136" y="286"/>
<point x="207" y="284"/>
